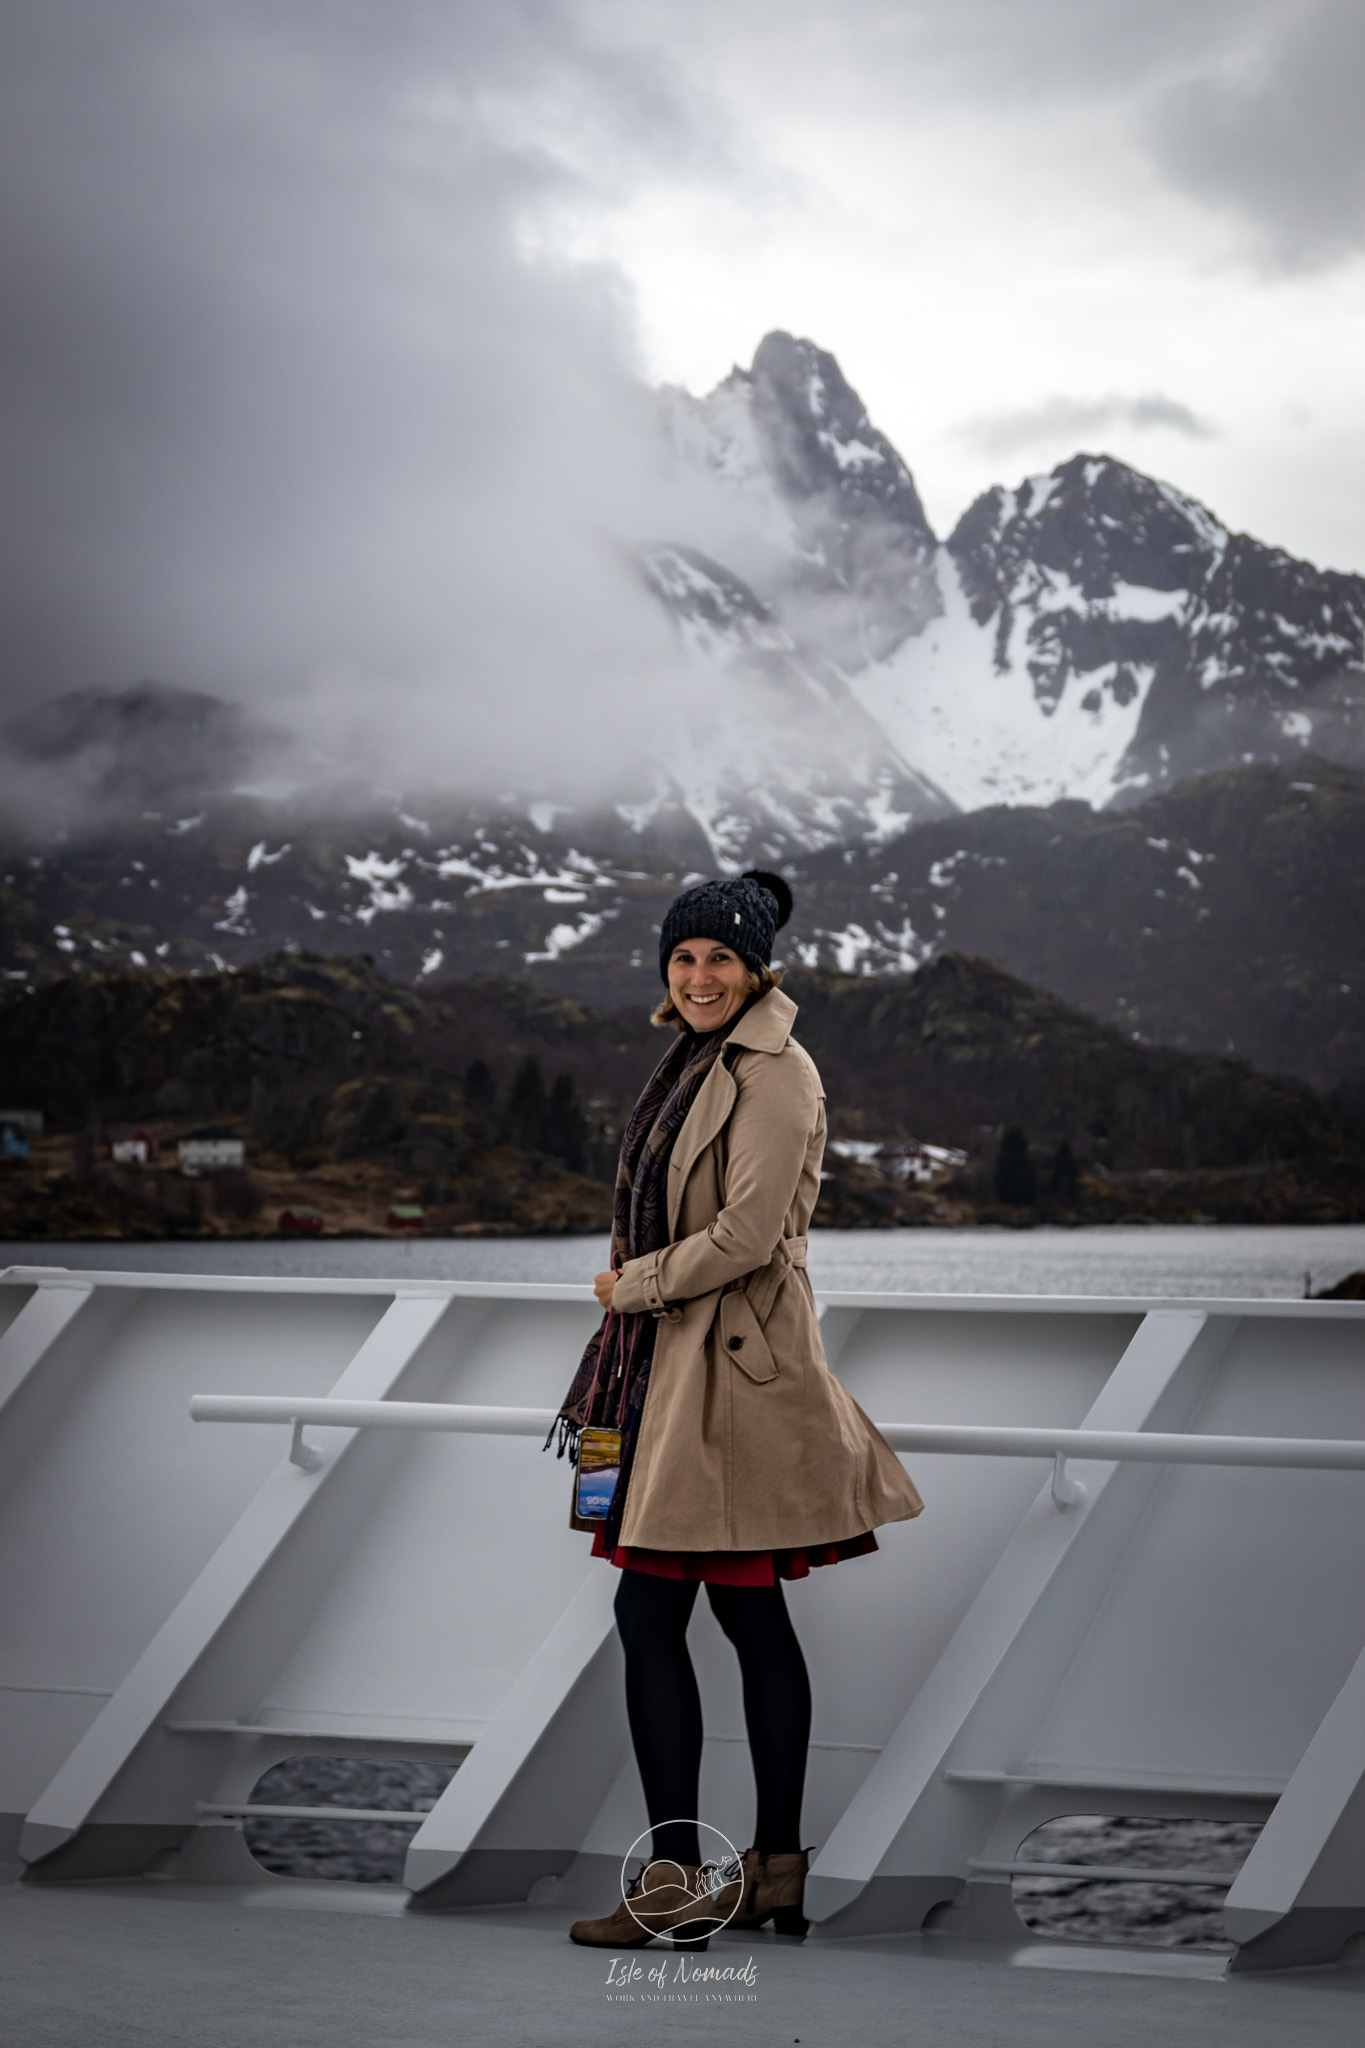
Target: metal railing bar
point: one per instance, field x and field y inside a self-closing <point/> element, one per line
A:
<point x="302" y="1734"/>
<point x="955" y="1439"/>
<point x="213" y="1810"/>
<point x="419" y="1415"/>
<point x="1247" y="1788"/>
<point x="1105" y="1873"/>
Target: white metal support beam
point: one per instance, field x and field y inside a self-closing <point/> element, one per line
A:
<point x="520" y="1806"/>
<point x="1300" y="1895"/>
<point x="55" y="1301"/>
<point x="901" y="1846"/>
<point x="73" y="1796"/>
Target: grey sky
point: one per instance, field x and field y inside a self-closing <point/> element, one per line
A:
<point x="325" y="321"/>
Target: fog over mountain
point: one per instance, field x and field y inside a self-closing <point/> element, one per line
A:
<point x="291" y="415"/>
<point x="318" y="400"/>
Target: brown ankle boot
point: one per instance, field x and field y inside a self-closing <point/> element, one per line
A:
<point x="772" y="1888"/>
<point x="664" y="1899"/>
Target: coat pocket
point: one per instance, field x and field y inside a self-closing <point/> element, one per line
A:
<point x="742" y="1338"/>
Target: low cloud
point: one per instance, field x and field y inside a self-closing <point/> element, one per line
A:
<point x="1079" y="420"/>
<point x="290" y="413"/>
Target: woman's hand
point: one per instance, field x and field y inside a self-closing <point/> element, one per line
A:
<point x="604" y="1286"/>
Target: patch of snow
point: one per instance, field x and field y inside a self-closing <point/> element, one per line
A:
<point x="1210" y="531"/>
<point x="1041" y="490"/>
<point x="184" y="825"/>
<point x="543" y="815"/>
<point x="1139" y="601"/>
<point x="138" y="959"/>
<point x="851" y="455"/>
<point x="978" y="731"/>
<point x="565" y="937"/>
<point x="850" y="946"/>
<point x="884" y="820"/>
<point x="864" y="1150"/>
<point x="638" y="816"/>
<point x="259" y="858"/>
<point x="413" y="824"/>
<point x="566" y="896"/>
<point x="1296" y="725"/>
<point x="236" y="920"/>
<point x="387" y="891"/>
<point x="431" y="960"/>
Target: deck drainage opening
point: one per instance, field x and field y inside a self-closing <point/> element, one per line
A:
<point x="368" y="1851"/>
<point x="1180" y="1910"/>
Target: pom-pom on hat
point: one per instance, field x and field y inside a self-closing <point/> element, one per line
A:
<point x="746" y="913"/>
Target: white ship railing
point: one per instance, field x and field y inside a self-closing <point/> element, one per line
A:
<point x="1106" y="1446"/>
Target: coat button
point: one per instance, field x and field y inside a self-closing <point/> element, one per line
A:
<point x="736" y="1343"/>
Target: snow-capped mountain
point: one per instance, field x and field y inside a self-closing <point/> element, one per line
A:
<point x="849" y="686"/>
<point x="783" y="758"/>
<point x="1093" y="633"/>
<point x="838" y="537"/>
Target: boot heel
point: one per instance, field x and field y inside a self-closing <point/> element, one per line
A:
<point x="790" y="1920"/>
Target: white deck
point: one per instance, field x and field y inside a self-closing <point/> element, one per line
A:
<point x="183" y="1607"/>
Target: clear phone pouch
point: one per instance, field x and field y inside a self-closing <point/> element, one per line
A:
<point x="595" y="1476"/>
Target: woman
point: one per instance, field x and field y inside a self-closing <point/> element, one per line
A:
<point x="743" y="1461"/>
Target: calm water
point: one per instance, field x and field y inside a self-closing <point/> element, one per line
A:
<point x="1176" y="1259"/>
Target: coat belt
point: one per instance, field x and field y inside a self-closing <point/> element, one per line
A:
<point x="761" y="1287"/>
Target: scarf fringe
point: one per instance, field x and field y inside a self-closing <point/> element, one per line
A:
<point x="570" y="1433"/>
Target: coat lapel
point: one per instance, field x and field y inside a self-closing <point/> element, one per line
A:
<point x="766" y="1028"/>
<point x="705" y="1120"/>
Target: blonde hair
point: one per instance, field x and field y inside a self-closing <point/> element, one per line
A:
<point x="761" y="980"/>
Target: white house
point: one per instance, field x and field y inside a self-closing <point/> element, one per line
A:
<point x="905" y="1159"/>
<point x="134" y="1147"/>
<point x="211" y="1151"/>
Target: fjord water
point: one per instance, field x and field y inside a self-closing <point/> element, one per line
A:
<point x="1235" y="1261"/>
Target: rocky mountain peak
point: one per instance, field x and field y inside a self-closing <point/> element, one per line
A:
<point x="843" y="549"/>
<point x="820" y="443"/>
<point x="1093" y="524"/>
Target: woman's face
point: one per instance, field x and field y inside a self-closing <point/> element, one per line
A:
<point x="707" y="982"/>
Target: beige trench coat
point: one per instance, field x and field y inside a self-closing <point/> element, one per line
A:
<point x="747" y="1440"/>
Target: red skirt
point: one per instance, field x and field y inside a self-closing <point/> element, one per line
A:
<point x="734" y="1567"/>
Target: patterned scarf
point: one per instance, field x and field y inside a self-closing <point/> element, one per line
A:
<point x="608" y="1390"/>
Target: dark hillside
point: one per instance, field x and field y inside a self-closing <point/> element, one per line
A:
<point x="962" y="1045"/>
<point x="496" y="1104"/>
<point x="1227" y="915"/>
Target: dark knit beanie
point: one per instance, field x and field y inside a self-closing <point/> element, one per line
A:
<point x="746" y="913"/>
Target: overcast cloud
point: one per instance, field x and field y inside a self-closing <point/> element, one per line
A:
<point x="1075" y="423"/>
<point x="327" y="322"/>
<point x="288" y="413"/>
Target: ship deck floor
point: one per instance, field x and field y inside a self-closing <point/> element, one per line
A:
<point x="152" y="1964"/>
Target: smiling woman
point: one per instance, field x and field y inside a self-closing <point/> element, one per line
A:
<point x="713" y="1444"/>
<point x="708" y="984"/>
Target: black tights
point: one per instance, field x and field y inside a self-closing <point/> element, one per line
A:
<point x="665" y="1707"/>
